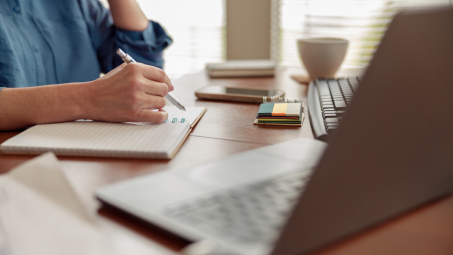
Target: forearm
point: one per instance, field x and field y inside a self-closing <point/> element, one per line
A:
<point x="123" y="95"/>
<point x="24" y="107"/>
<point x="127" y="15"/>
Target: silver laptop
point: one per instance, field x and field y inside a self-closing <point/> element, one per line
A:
<point x="391" y="153"/>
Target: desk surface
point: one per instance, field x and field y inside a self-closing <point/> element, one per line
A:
<point x="226" y="129"/>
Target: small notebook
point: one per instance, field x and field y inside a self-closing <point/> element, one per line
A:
<point x="274" y="113"/>
<point x="103" y="139"/>
<point x="242" y="68"/>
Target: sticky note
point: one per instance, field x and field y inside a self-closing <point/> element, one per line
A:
<point x="293" y="109"/>
<point x="266" y="110"/>
<point x="279" y="109"/>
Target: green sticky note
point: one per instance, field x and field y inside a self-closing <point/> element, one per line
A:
<point x="265" y="110"/>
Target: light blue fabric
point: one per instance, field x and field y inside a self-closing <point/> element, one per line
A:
<point x="60" y="41"/>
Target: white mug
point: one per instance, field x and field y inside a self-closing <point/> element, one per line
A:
<point x="322" y="57"/>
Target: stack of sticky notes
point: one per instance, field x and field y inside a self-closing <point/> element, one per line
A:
<point x="288" y="114"/>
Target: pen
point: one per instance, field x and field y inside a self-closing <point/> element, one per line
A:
<point x="128" y="59"/>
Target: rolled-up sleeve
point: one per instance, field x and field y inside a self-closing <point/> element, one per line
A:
<point x="144" y="46"/>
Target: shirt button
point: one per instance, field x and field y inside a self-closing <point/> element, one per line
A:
<point x="35" y="48"/>
<point x="16" y="9"/>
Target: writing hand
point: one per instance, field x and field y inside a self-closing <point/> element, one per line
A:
<point x="127" y="93"/>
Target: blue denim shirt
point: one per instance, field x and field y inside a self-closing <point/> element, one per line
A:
<point x="60" y="41"/>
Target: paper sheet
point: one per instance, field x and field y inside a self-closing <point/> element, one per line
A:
<point x="41" y="214"/>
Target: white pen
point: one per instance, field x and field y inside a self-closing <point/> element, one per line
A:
<point x="128" y="59"/>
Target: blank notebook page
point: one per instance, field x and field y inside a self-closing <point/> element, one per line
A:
<point x="92" y="138"/>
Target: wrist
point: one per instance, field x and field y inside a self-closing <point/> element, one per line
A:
<point x="83" y="100"/>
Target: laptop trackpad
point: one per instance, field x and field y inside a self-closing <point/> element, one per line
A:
<point x="239" y="169"/>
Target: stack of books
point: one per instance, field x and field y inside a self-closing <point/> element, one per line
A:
<point x="285" y="114"/>
<point x="242" y="68"/>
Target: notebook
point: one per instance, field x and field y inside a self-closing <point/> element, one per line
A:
<point x="286" y="114"/>
<point x="242" y="68"/>
<point x="103" y="139"/>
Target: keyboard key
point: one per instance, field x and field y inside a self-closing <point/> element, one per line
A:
<point x="323" y="88"/>
<point x="328" y="108"/>
<point x="331" y="129"/>
<point x="341" y="113"/>
<point x="339" y="105"/>
<point x="330" y="115"/>
<point x="331" y="120"/>
<point x="353" y="82"/>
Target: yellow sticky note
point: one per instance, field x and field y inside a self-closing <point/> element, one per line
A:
<point x="279" y="109"/>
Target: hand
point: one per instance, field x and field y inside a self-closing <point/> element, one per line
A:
<point x="127" y="93"/>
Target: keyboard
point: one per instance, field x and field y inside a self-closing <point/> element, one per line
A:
<point x="249" y="214"/>
<point x="328" y="100"/>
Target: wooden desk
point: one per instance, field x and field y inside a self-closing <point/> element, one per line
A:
<point x="225" y="129"/>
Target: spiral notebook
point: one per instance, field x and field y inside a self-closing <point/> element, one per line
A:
<point x="103" y="139"/>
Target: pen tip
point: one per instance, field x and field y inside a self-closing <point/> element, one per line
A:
<point x="121" y="53"/>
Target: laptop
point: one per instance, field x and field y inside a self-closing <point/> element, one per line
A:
<point x="391" y="153"/>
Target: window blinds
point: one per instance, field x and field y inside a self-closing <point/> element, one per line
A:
<point x="362" y="22"/>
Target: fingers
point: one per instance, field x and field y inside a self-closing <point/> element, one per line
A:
<point x="152" y="116"/>
<point x="155" y="88"/>
<point x="153" y="73"/>
<point x="151" y="102"/>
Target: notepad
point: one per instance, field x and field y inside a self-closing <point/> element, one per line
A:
<point x="103" y="139"/>
<point x="280" y="109"/>
<point x="242" y="68"/>
<point x="280" y="114"/>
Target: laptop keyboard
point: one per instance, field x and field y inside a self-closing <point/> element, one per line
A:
<point x="252" y="213"/>
<point x="333" y="97"/>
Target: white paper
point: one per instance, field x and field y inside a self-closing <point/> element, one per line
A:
<point x="41" y="214"/>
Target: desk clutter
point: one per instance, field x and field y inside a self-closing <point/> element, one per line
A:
<point x="280" y="112"/>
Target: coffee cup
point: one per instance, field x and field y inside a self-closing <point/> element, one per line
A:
<point x="322" y="56"/>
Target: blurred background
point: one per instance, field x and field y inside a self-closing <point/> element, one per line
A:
<point x="216" y="30"/>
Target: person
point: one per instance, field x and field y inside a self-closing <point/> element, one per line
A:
<point x="68" y="44"/>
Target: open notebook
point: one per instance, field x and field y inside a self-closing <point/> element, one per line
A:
<point x="102" y="139"/>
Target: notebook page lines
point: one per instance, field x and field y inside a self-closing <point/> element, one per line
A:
<point x="146" y="140"/>
<point x="101" y="137"/>
<point x="93" y="138"/>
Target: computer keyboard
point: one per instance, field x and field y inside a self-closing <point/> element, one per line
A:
<point x="328" y="100"/>
<point x="250" y="214"/>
